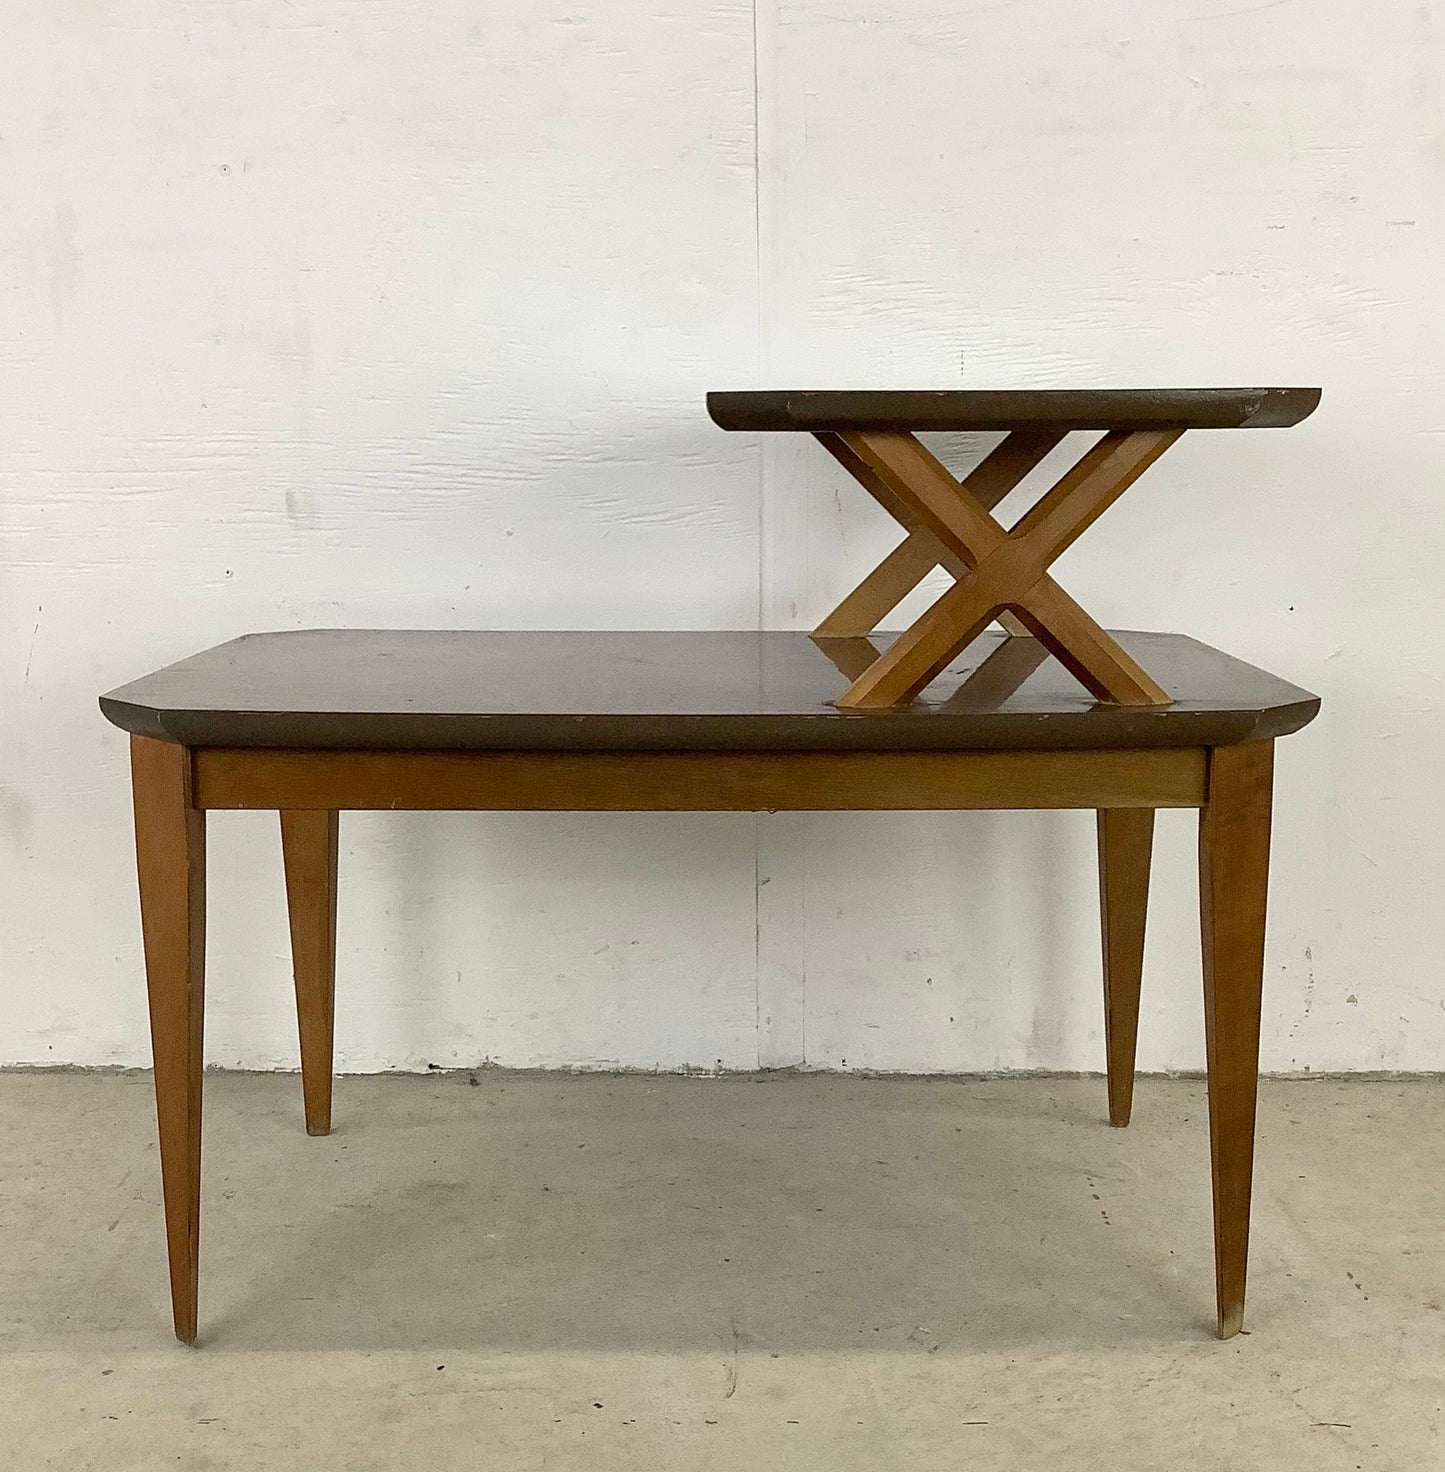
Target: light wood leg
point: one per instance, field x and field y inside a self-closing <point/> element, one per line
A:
<point x="1126" y="841"/>
<point x="1233" y="886"/>
<point x="309" y="847"/>
<point x="170" y="839"/>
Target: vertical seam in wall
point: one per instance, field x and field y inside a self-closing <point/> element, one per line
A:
<point x="762" y="525"/>
<point x="782" y="839"/>
<point x="757" y="182"/>
<point x="758" y="306"/>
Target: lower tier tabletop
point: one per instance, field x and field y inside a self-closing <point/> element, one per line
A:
<point x="459" y="690"/>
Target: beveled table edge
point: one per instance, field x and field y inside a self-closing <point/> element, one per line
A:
<point x="826" y="730"/>
<point x="345" y="731"/>
<point x="924" y="410"/>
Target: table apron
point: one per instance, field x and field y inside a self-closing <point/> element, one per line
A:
<point x="707" y="781"/>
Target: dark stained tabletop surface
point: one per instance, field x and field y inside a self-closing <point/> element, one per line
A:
<point x="456" y="690"/>
<point x="1033" y="409"/>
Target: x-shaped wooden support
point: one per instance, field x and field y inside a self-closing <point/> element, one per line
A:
<point x="1001" y="576"/>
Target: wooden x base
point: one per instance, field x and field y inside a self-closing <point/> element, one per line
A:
<point x="1001" y="576"/>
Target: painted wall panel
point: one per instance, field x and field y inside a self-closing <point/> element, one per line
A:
<point x="371" y="314"/>
<point x="1040" y="194"/>
<point x="379" y="314"/>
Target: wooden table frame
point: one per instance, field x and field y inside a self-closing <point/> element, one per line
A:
<point x="175" y="786"/>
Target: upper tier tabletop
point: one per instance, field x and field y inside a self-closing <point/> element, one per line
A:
<point x="1032" y="409"/>
<point x="412" y="689"/>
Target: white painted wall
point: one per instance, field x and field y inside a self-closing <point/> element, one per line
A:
<point x="370" y="313"/>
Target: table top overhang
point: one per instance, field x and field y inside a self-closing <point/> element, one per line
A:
<point x="456" y="690"/>
<point x="887" y="410"/>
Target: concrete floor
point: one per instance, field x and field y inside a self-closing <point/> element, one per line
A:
<point x="791" y="1272"/>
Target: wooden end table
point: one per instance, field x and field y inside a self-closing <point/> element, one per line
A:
<point x="318" y="722"/>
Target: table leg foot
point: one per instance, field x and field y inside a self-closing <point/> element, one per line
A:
<point x="1233" y="882"/>
<point x="1126" y="841"/>
<point x="171" y="862"/>
<point x="309" y="846"/>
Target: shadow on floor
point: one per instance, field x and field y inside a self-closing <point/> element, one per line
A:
<point x="791" y="1214"/>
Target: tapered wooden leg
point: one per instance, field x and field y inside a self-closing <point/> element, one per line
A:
<point x="170" y="840"/>
<point x="1126" y="842"/>
<point x="1233" y="885"/>
<point x="309" y="847"/>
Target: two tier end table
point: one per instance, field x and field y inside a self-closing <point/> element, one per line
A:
<point x="1049" y="711"/>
